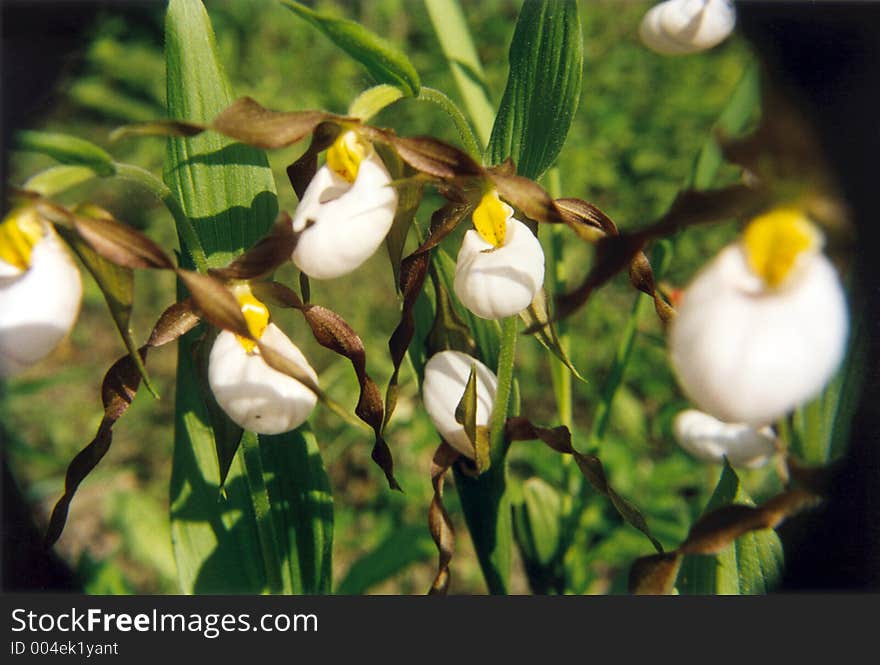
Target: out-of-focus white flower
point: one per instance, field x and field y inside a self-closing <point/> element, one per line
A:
<point x="345" y="212"/>
<point x="446" y="376"/>
<point x="762" y="327"/>
<point x="255" y="396"/>
<point x="677" y="27"/>
<point x="709" y="439"/>
<point x="40" y="291"/>
<point x="500" y="266"/>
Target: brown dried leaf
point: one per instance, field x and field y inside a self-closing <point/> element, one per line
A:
<point x="712" y="533"/>
<point x="438" y="519"/>
<point x="559" y="439"/>
<point x="267" y="255"/>
<point x="158" y="128"/>
<point x="429" y="155"/>
<point x="528" y="196"/>
<point x="413" y="270"/>
<point x="121" y="244"/>
<point x="118" y="389"/>
<point x="215" y="302"/>
<point x="332" y="332"/>
<point x="301" y="172"/>
<point x="247" y="121"/>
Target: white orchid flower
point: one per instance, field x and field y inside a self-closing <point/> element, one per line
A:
<point x="255" y="396"/>
<point x="40" y="291"/>
<point x="762" y="328"/>
<point x="712" y="440"/>
<point x="345" y="212"/>
<point x="676" y="27"/>
<point x="500" y="266"/>
<point x="446" y="377"/>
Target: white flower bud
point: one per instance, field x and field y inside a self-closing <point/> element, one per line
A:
<point x="255" y="396"/>
<point x="498" y="274"/>
<point x="446" y="376"/>
<point x="344" y="214"/>
<point x="677" y="27"/>
<point x="40" y="291"/>
<point x="711" y="440"/>
<point x="763" y="327"/>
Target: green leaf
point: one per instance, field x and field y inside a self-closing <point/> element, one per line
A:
<point x="384" y="62"/>
<point x="67" y="150"/>
<point x="543" y="87"/>
<point x="402" y="547"/>
<point x="225" y="188"/>
<point x="228" y="192"/>
<point x="461" y="54"/>
<point x="57" y="179"/>
<point x="302" y="506"/>
<point x="117" y="286"/>
<point x="536" y="521"/>
<point x="750" y="565"/>
<point x="740" y="110"/>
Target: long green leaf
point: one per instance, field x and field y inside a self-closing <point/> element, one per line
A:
<point x="270" y="528"/>
<point x="750" y="565"/>
<point x="302" y="506"/>
<point x="543" y="87"/>
<point x="384" y="62"/>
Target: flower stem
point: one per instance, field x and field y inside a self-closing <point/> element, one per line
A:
<point x="485" y="500"/>
<point x="461" y="124"/>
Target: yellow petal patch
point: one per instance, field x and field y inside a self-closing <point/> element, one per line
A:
<point x="344" y="157"/>
<point x="256" y="314"/>
<point x="775" y="240"/>
<point x="19" y="233"/>
<point x="490" y="218"/>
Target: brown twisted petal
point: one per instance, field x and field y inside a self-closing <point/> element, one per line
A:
<point x="118" y="389"/>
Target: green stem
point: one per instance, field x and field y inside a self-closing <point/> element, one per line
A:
<point x="497" y="441"/>
<point x="484" y="499"/>
<point x="461" y="124"/>
<point x="253" y="467"/>
<point x="185" y="229"/>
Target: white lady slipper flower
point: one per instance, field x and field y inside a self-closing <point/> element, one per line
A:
<point x="40" y="291"/>
<point x="500" y="266"/>
<point x="676" y="27"/>
<point x="255" y="396"/>
<point x="345" y="212"/>
<point x="712" y="440"/>
<point x="762" y="328"/>
<point x="446" y="377"/>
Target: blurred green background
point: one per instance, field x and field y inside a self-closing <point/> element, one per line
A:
<point x="641" y="119"/>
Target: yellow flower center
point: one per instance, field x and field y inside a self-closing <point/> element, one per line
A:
<point x="256" y="314"/>
<point x="19" y="233"/>
<point x="490" y="218"/>
<point x="344" y="157"/>
<point x="774" y="241"/>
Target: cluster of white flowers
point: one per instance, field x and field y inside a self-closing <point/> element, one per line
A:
<point x="677" y="27"/>
<point x="760" y="330"/>
<point x="40" y="291"/>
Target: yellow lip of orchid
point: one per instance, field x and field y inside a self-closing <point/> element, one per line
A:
<point x="19" y="233"/>
<point x="344" y="157"/>
<point x="776" y="240"/>
<point x="255" y="313"/>
<point x="490" y="218"/>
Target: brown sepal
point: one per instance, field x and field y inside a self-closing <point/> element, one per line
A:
<point x="439" y="523"/>
<point x="118" y="390"/>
